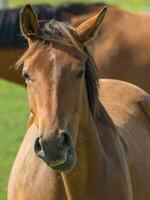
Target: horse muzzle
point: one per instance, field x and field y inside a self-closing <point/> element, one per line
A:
<point x="56" y="151"/>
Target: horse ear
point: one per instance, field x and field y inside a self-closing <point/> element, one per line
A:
<point x="89" y="29"/>
<point x="29" y="23"/>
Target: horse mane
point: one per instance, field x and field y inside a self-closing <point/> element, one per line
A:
<point x="54" y="31"/>
<point x="10" y="26"/>
<point x="9" y="20"/>
<point x="92" y="83"/>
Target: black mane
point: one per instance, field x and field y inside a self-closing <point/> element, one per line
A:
<point x="10" y="36"/>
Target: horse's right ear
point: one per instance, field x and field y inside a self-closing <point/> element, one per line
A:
<point x="29" y="23"/>
<point x="89" y="29"/>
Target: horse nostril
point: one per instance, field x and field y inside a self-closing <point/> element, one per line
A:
<point x="67" y="140"/>
<point x="38" y="148"/>
<point x="63" y="139"/>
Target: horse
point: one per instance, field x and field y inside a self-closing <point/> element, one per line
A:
<point x="83" y="141"/>
<point x="13" y="45"/>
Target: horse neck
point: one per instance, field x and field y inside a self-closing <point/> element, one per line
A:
<point x="97" y="160"/>
<point x="88" y="172"/>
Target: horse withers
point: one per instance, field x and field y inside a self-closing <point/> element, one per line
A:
<point x="82" y="142"/>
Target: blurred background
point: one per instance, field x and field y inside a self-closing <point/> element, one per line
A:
<point x="13" y="101"/>
<point x="129" y="4"/>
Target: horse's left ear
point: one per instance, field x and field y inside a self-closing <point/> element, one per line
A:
<point x="89" y="29"/>
<point x="29" y="24"/>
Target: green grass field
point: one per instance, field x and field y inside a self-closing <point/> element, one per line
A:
<point x="13" y="117"/>
<point x="13" y="106"/>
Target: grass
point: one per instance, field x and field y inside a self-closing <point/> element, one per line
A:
<point x="13" y="117"/>
<point x="135" y="5"/>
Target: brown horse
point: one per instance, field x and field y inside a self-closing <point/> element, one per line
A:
<point x="85" y="151"/>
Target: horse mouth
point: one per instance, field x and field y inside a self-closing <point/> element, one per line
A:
<point x="67" y="165"/>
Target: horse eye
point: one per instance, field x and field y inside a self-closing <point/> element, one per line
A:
<point x="80" y="74"/>
<point x="26" y="76"/>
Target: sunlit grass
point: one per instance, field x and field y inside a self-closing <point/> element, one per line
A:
<point x="128" y="4"/>
<point x="13" y="115"/>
